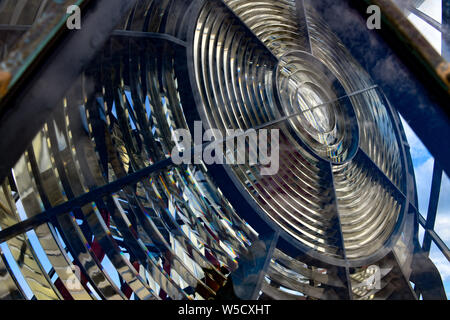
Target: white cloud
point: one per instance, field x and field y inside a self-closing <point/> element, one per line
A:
<point x="432" y="9"/>
<point x="442" y="264"/>
<point x="442" y="227"/>
<point x="444" y="199"/>
<point x="421" y="234"/>
<point x="424" y="176"/>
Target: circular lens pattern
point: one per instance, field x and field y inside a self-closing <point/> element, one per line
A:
<point x="335" y="126"/>
<point x="327" y="124"/>
<point x="235" y="76"/>
<point x="174" y="234"/>
<point x="171" y="235"/>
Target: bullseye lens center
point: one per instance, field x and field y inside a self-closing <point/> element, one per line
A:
<point x="314" y="100"/>
<point x="316" y="112"/>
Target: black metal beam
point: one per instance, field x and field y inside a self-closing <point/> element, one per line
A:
<point x="29" y="104"/>
<point x="118" y="33"/>
<point x="432" y="206"/>
<point x="434" y="236"/>
<point x="422" y="220"/>
<point x="439" y="243"/>
<point x="79" y="202"/>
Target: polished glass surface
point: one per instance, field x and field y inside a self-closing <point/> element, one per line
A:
<point x="339" y="208"/>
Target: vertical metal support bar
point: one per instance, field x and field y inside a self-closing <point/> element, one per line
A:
<point x="248" y="278"/>
<point x="342" y="272"/>
<point x="432" y="206"/>
<point x="445" y="28"/>
<point x="303" y="28"/>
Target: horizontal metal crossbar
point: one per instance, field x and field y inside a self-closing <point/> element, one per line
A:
<point x="434" y="236"/>
<point x="91" y="196"/>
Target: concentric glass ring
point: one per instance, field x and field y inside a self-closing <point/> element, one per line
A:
<point x="241" y="64"/>
<point x="335" y="127"/>
<point x="326" y="121"/>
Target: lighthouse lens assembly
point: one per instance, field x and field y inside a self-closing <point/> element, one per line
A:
<point x="334" y="123"/>
<point x="203" y="145"/>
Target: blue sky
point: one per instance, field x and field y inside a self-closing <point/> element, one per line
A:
<point x="423" y="165"/>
